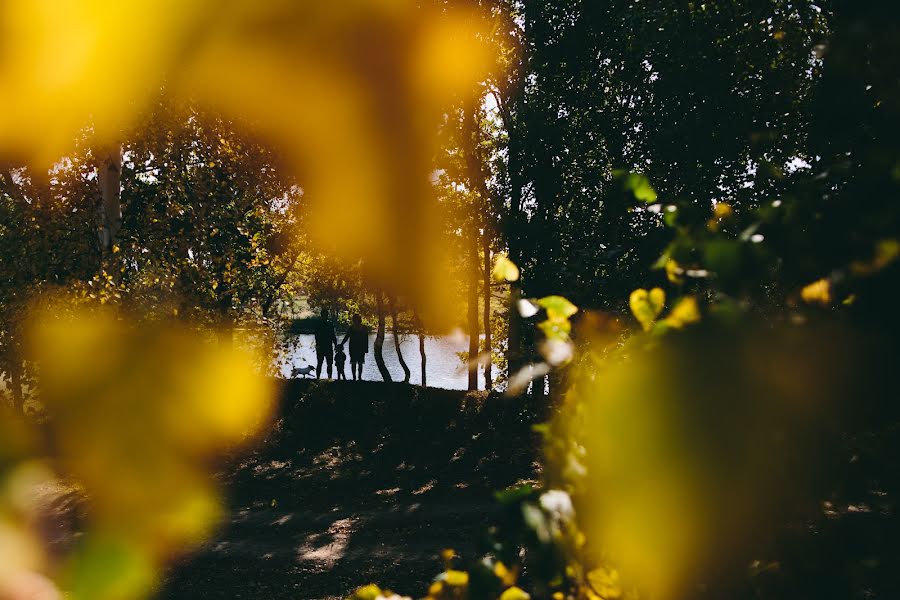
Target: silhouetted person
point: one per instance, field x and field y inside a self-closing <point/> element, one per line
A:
<point x="340" y="357"/>
<point x="326" y="340"/>
<point x="359" y="346"/>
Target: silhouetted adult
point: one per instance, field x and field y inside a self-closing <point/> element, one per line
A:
<point x="359" y="346"/>
<point x="326" y="340"/>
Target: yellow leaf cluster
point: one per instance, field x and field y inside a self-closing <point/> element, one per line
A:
<point x="647" y="306"/>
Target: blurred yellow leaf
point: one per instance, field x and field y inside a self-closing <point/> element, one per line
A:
<point x="502" y="573"/>
<point x="646" y="306"/>
<point x="455" y="578"/>
<point x="605" y="583"/>
<point x="817" y="292"/>
<point x="136" y="414"/>
<point x="504" y="269"/>
<point x="721" y="212"/>
<point x="367" y="592"/>
<point x="886" y="252"/>
<point x="63" y="68"/>
<point x="674" y="272"/>
<point x="514" y="593"/>
<point x="684" y="313"/>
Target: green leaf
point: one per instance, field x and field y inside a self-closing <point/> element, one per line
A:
<point x="543" y="429"/>
<point x="638" y="185"/>
<point x="106" y="567"/>
<point x="514" y="494"/>
<point x="670" y="215"/>
<point x="555" y="329"/>
<point x="557" y="307"/>
<point x="723" y="257"/>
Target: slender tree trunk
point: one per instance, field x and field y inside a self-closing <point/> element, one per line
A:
<point x="486" y="249"/>
<point x="109" y="177"/>
<point x="424" y="359"/>
<point x="421" y="333"/>
<point x="393" y="305"/>
<point x="514" y="222"/>
<point x="514" y="334"/>
<point x="474" y="277"/>
<point x="476" y="179"/>
<point x="379" y="339"/>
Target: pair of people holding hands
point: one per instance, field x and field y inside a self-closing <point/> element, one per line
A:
<point x="331" y="352"/>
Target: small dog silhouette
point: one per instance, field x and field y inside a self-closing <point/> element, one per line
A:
<point x="302" y="371"/>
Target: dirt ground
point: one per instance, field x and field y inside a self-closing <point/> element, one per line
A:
<point x="359" y="483"/>
<point x="367" y="482"/>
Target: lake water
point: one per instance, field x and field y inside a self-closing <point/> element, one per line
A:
<point x="444" y="369"/>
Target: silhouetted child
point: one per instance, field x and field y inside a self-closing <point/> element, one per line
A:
<point x="339" y="359"/>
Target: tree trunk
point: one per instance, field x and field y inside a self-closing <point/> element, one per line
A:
<point x="514" y="222"/>
<point x="421" y="333"/>
<point x="477" y="184"/>
<point x="393" y="305"/>
<point x="423" y="357"/>
<point x="109" y="176"/>
<point x="486" y="249"/>
<point x="514" y="335"/>
<point x="474" y="277"/>
<point x="379" y="339"/>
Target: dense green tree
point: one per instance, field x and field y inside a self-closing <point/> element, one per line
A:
<point x="206" y="219"/>
<point x="206" y="230"/>
<point x="706" y="99"/>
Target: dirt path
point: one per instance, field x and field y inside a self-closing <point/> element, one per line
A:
<point x="361" y="483"/>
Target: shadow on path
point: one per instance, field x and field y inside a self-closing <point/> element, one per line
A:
<point x="361" y="482"/>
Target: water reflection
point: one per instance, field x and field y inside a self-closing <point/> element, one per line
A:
<point x="444" y="368"/>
